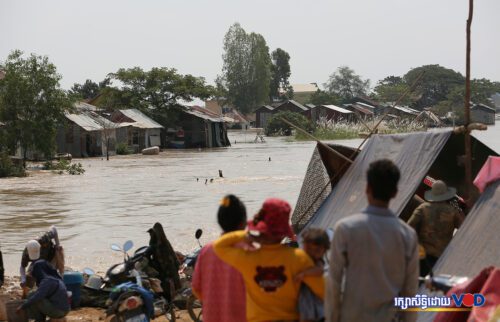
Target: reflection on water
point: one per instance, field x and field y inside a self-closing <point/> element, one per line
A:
<point x="120" y="199"/>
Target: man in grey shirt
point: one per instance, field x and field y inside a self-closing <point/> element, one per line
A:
<point x="375" y="254"/>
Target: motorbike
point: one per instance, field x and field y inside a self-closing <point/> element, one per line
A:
<point x="133" y="296"/>
<point x="193" y="304"/>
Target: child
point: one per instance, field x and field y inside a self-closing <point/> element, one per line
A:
<point x="316" y="243"/>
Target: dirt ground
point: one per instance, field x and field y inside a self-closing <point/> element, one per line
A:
<point x="11" y="290"/>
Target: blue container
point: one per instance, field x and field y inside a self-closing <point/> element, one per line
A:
<point x="73" y="282"/>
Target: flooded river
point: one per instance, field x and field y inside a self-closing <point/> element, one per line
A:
<point x="120" y="199"/>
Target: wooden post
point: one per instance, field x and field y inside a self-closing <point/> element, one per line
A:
<point x="468" y="150"/>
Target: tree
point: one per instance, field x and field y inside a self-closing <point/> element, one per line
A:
<point x="391" y="88"/>
<point x="280" y="73"/>
<point x="32" y="104"/>
<point x="89" y="89"/>
<point x="156" y="92"/>
<point x="435" y="84"/>
<point x="246" y="70"/>
<point x="346" y="84"/>
<point x="324" y="98"/>
<point x="276" y="126"/>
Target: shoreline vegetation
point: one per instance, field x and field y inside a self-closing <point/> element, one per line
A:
<point x="343" y="130"/>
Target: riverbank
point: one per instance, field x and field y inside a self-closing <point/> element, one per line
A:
<point x="12" y="289"/>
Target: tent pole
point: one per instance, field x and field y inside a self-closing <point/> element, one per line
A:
<point x="468" y="150"/>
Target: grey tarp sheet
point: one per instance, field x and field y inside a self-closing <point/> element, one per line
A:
<point x="476" y="245"/>
<point x="413" y="153"/>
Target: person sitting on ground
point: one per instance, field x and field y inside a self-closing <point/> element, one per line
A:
<point x="267" y="266"/>
<point x="435" y="221"/>
<point x="219" y="286"/>
<point x="51" y="298"/>
<point x="316" y="243"/>
<point x="374" y="256"/>
<point x="51" y="251"/>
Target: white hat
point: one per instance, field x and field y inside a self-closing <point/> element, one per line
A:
<point x="33" y="248"/>
<point x="440" y="192"/>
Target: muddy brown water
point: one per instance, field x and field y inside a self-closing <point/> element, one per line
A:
<point x="120" y="199"/>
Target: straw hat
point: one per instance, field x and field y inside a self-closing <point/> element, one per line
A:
<point x="440" y="192"/>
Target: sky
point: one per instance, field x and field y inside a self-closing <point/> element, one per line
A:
<point x="377" y="38"/>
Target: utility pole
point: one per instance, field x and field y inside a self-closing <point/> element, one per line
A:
<point x="468" y="150"/>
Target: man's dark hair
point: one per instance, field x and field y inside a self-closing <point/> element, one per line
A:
<point x="316" y="236"/>
<point x="232" y="214"/>
<point x="383" y="177"/>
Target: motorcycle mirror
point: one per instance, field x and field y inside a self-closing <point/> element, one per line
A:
<point x="116" y="248"/>
<point x="88" y="271"/>
<point x="128" y="245"/>
<point x="198" y="233"/>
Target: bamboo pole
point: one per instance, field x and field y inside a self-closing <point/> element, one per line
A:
<point x="468" y="150"/>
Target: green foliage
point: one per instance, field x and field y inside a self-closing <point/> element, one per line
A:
<point x="32" y="103"/>
<point x="346" y="84"/>
<point x="280" y="73"/>
<point x="391" y="88"/>
<point x="89" y="89"/>
<point x="435" y="84"/>
<point x="276" y="126"/>
<point x="246" y="68"/>
<point x="122" y="149"/>
<point x="9" y="169"/>
<point x="64" y="165"/>
<point x="155" y="92"/>
<point x="324" y="98"/>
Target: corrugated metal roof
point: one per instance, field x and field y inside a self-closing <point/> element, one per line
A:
<point x="338" y="109"/>
<point x="203" y="115"/>
<point x="407" y="109"/>
<point x="82" y="106"/>
<point x="365" y="105"/>
<point x="141" y="119"/>
<point x="91" y="122"/>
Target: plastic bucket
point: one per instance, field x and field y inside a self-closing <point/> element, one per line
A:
<point x="73" y="282"/>
<point x="12" y="315"/>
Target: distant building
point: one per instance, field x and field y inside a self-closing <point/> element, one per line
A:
<point x="361" y="109"/>
<point x="330" y="113"/>
<point x="403" y="111"/>
<point x="85" y="134"/>
<point x="262" y="115"/>
<point x="302" y="92"/>
<point x="291" y="106"/>
<point x="482" y="114"/>
<point x="141" y="131"/>
<point x="198" y="127"/>
<point x="496" y="101"/>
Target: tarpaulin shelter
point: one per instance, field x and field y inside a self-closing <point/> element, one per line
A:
<point x="439" y="154"/>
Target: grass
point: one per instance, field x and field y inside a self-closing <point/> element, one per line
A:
<point x="342" y="130"/>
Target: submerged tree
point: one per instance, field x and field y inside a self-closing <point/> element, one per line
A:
<point x="246" y="70"/>
<point x="346" y="84"/>
<point x="32" y="104"/>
